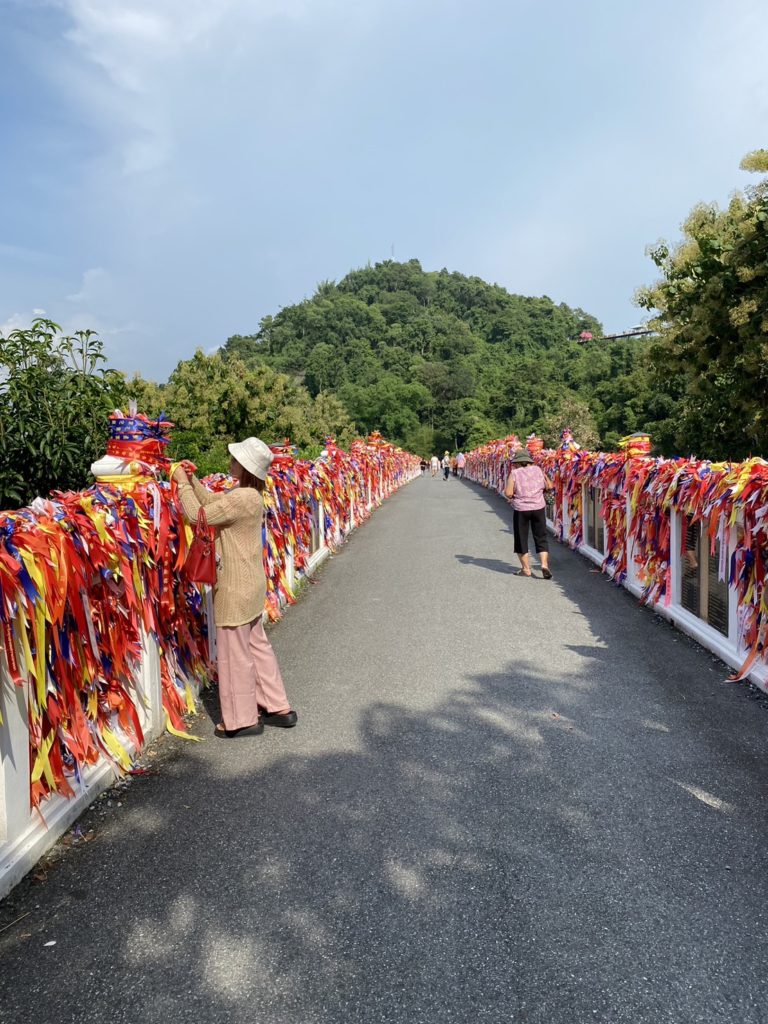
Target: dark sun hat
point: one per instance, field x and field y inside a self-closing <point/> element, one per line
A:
<point x="521" y="458"/>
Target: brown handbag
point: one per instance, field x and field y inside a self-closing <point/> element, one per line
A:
<point x="200" y="566"/>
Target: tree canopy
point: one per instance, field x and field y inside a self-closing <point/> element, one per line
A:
<point x="213" y="399"/>
<point x="439" y="360"/>
<point x="434" y="360"/>
<point x="55" y="400"/>
<point x="711" y="308"/>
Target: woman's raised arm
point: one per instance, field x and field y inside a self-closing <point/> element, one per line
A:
<point x="221" y="510"/>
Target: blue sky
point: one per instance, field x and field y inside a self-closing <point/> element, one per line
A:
<point x="173" y="170"/>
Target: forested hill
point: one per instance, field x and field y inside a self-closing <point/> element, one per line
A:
<point x="438" y="360"/>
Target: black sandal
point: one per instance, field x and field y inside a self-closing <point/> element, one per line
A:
<point x="546" y="574"/>
<point x="229" y="734"/>
<point x="282" y="719"/>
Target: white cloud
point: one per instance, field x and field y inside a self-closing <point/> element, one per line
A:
<point x="153" y="53"/>
<point x="94" y="281"/>
<point x="236" y="151"/>
<point x="20" y="321"/>
<point x="122" y="37"/>
<point x="72" y="323"/>
<point x="631" y="179"/>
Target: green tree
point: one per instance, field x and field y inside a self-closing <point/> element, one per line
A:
<point x="324" y="369"/>
<point x="711" y="311"/>
<point x="55" y="400"/>
<point x="330" y="418"/>
<point x="149" y="396"/>
<point x="214" y="399"/>
<point x="574" y="413"/>
<point x="436" y="357"/>
<point x="245" y="347"/>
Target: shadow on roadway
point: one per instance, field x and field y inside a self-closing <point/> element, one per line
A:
<point x="545" y="843"/>
<point x="522" y="851"/>
<point x="494" y="564"/>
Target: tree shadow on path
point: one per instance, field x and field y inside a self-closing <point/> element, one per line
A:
<point x="494" y="564"/>
<point x="490" y="859"/>
<point x="550" y="841"/>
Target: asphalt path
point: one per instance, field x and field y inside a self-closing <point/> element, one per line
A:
<point x="506" y="800"/>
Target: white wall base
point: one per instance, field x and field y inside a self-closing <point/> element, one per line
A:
<point x="592" y="554"/>
<point x="693" y="626"/>
<point x="317" y="559"/>
<point x="25" y="836"/>
<point x="20" y="854"/>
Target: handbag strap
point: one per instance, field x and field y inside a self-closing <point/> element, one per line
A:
<point x="201" y="525"/>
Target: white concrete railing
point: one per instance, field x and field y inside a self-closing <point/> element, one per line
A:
<point x="25" y="833"/>
<point x="725" y="643"/>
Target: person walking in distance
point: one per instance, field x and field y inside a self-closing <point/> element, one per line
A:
<point x="525" y="489"/>
<point x="461" y="461"/>
<point x="251" y="690"/>
<point x="446" y="464"/>
<point x="435" y="463"/>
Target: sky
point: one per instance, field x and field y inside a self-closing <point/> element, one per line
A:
<point x="171" y="171"/>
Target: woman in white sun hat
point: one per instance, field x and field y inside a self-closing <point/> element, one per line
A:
<point x="251" y="690"/>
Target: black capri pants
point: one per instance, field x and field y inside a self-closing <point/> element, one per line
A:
<point x="537" y="518"/>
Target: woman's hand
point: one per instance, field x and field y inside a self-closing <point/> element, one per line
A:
<point x="182" y="471"/>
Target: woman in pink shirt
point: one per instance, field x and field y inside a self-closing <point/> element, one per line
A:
<point x="525" y="489"/>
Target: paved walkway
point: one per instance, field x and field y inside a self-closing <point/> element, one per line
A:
<point x="507" y="800"/>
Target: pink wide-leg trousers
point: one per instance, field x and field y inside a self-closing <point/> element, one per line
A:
<point x="249" y="675"/>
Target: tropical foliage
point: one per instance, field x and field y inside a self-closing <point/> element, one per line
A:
<point x="438" y="360"/>
<point x="56" y="396"/>
<point x="711" y="308"/>
<point x="55" y="399"/>
<point x="434" y="360"/>
<point x="213" y="399"/>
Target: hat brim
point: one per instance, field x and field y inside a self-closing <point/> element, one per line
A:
<point x="239" y="451"/>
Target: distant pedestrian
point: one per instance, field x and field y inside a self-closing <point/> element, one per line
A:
<point x="525" y="488"/>
<point x="454" y="466"/>
<point x="423" y="466"/>
<point x="461" y="461"/>
<point x="435" y="465"/>
<point x="446" y="465"/>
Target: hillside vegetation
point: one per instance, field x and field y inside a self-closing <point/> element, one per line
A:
<point x="434" y="360"/>
<point x="438" y="360"/>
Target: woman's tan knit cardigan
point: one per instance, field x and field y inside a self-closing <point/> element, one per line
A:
<point x="241" y="585"/>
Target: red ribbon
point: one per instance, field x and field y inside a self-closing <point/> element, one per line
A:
<point x="143" y="451"/>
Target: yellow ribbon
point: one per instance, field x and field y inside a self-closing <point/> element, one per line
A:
<point x="42" y="764"/>
<point x="190" y="699"/>
<point x="178" y="732"/>
<point x="116" y="749"/>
